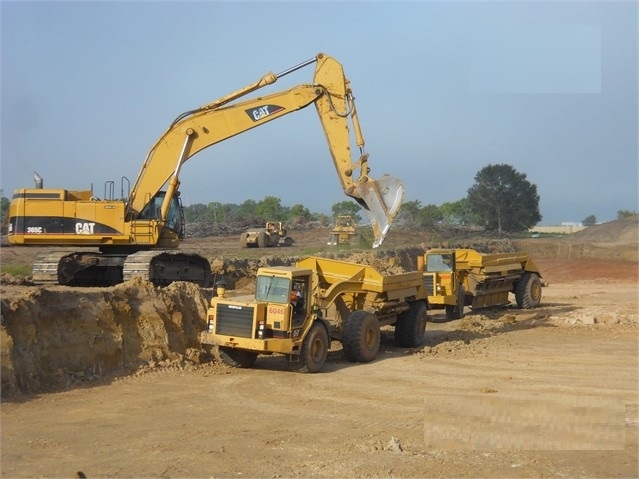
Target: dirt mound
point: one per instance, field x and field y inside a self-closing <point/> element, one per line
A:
<point x="615" y="240"/>
<point x="625" y="230"/>
<point x="52" y="338"/>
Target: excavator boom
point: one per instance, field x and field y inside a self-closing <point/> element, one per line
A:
<point x="330" y="91"/>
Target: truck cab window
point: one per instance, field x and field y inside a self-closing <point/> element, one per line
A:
<point x="439" y="263"/>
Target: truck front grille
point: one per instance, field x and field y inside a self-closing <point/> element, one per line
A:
<point x="429" y="284"/>
<point x="234" y="321"/>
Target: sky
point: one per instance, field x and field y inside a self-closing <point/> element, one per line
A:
<point x="442" y="89"/>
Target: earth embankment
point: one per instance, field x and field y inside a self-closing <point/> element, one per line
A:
<point x="57" y="338"/>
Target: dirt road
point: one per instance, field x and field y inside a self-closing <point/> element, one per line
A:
<point x="545" y="393"/>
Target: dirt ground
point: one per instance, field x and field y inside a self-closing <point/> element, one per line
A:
<point x="111" y="382"/>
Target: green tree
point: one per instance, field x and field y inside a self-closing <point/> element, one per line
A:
<point x="589" y="220"/>
<point x="247" y="210"/>
<point x="503" y="199"/>
<point x="457" y="213"/>
<point x="409" y="214"/>
<point x="195" y="212"/>
<point x="270" y="209"/>
<point x="621" y="214"/>
<point x="218" y="212"/>
<point x="429" y="216"/>
<point x="298" y="215"/>
<point x="347" y="208"/>
<point x="4" y="213"/>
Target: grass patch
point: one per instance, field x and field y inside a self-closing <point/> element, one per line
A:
<point x="16" y="269"/>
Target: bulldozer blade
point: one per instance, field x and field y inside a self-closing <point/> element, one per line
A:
<point x="381" y="200"/>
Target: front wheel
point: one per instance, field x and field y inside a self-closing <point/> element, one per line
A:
<point x="236" y="358"/>
<point x="457" y="311"/>
<point x="528" y="291"/>
<point x="361" y="337"/>
<point x="314" y="350"/>
<point x="410" y="327"/>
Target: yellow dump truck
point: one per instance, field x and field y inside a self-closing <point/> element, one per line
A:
<point x="297" y="311"/>
<point x="455" y="278"/>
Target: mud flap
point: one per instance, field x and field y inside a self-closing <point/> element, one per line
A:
<point x="381" y="200"/>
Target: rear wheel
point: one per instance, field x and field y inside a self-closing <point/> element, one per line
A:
<point x="361" y="337"/>
<point x="528" y="291"/>
<point x="262" y="239"/>
<point x="314" y="350"/>
<point x="457" y="311"/>
<point x="288" y="241"/>
<point x="411" y="326"/>
<point x="237" y="358"/>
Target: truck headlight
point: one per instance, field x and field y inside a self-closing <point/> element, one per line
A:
<point x="260" y="331"/>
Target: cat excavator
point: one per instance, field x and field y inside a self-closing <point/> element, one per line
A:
<point x="139" y="235"/>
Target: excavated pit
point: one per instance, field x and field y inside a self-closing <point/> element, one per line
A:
<point x="56" y="338"/>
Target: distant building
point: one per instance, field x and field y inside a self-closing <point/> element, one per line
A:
<point x="565" y="228"/>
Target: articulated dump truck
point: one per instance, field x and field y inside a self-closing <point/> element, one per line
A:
<point x="297" y="311"/>
<point x="455" y="278"/>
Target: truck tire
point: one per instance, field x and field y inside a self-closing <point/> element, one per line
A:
<point x="288" y="241"/>
<point x="243" y="243"/>
<point x="410" y="327"/>
<point x="236" y="358"/>
<point x="361" y="337"/>
<point x="528" y="291"/>
<point x="262" y="239"/>
<point x="314" y="350"/>
<point x="457" y="311"/>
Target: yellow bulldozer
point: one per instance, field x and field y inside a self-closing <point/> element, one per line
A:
<point x="273" y="234"/>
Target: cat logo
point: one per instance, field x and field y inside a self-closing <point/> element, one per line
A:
<point x="84" y="228"/>
<point x="261" y="112"/>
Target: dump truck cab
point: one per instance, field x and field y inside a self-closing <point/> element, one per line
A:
<point x="273" y="320"/>
<point x="444" y="282"/>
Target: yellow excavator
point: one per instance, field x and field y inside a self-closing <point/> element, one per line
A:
<point x="138" y="235"/>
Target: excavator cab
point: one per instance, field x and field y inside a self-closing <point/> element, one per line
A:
<point x="174" y="218"/>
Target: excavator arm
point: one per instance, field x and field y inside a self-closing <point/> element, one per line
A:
<point x="198" y="129"/>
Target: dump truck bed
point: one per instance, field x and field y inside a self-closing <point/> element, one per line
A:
<point x="333" y="271"/>
<point x="491" y="263"/>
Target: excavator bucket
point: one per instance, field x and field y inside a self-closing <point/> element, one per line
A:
<point x="381" y="200"/>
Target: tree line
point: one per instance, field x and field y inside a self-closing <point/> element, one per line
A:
<point x="501" y="200"/>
